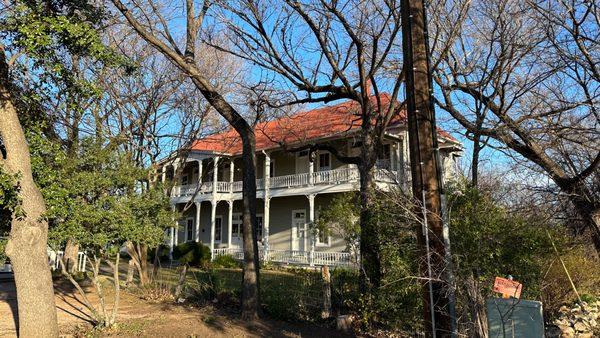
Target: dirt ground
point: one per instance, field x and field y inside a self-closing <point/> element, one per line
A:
<point x="139" y="318"/>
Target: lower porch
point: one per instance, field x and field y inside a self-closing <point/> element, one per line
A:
<point x="295" y="257"/>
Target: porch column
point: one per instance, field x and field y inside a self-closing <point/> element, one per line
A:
<point x="229" y="222"/>
<point x="266" y="217"/>
<point x="231" y="173"/>
<point x="215" y="175"/>
<point x="172" y="236"/>
<point x="164" y="174"/>
<point x="175" y="167"/>
<point x="198" y="209"/>
<point x="402" y="165"/>
<point x="267" y="202"/>
<point x="267" y="174"/>
<point x="199" y="173"/>
<point x="213" y="217"/>
<point x="311" y="220"/>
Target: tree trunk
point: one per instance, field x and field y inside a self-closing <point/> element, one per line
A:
<point x="71" y="254"/>
<point x="426" y="178"/>
<point x="27" y="244"/>
<point x="139" y="255"/>
<point x="130" y="271"/>
<point x="370" y="271"/>
<point x="585" y="205"/>
<point x="250" y="271"/>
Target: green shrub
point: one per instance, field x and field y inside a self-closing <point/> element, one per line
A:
<point x="225" y="261"/>
<point x="192" y="253"/>
<point x="163" y="253"/>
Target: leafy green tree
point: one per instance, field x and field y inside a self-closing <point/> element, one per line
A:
<point x="35" y="38"/>
<point x="100" y="199"/>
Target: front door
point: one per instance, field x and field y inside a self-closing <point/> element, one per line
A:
<point x="236" y="230"/>
<point x="299" y="230"/>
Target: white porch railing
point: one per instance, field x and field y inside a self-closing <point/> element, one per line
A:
<point x="289" y="181"/>
<point x="223" y="186"/>
<point x="294" y="257"/>
<point x="237" y="186"/>
<point x="335" y="176"/>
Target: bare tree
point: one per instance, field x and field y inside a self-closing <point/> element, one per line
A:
<point x="152" y="21"/>
<point x="533" y="67"/>
<point x="319" y="51"/>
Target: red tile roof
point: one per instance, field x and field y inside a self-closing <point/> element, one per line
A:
<point x="314" y="124"/>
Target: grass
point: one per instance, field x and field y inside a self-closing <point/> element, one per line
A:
<point x="295" y="294"/>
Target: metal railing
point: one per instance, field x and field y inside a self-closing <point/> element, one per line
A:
<point x="297" y="257"/>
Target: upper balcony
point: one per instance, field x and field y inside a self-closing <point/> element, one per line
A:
<point x="295" y="183"/>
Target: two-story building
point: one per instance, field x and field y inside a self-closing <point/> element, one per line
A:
<point x="292" y="188"/>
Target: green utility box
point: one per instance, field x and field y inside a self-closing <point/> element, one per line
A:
<point x="514" y="318"/>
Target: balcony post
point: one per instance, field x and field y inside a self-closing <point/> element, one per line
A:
<point x="198" y="209"/>
<point x="229" y="222"/>
<point x="311" y="170"/>
<point x="267" y="174"/>
<point x="231" y="173"/>
<point x="215" y="175"/>
<point x="199" y="174"/>
<point x="311" y="221"/>
<point x="175" y="167"/>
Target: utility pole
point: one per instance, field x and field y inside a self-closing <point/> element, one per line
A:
<point x="427" y="185"/>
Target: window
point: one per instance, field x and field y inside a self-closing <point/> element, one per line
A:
<point x="324" y="162"/>
<point x="218" y="227"/>
<point x="190" y="229"/>
<point x="184" y="179"/>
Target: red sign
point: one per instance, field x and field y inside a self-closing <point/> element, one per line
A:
<point x="508" y="288"/>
